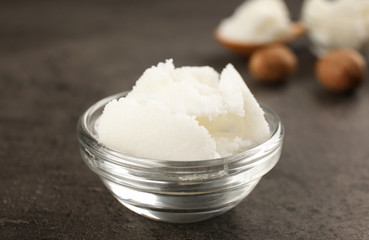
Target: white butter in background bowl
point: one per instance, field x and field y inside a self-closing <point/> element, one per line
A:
<point x="257" y="22"/>
<point x="334" y="24"/>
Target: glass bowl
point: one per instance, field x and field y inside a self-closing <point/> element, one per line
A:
<point x="177" y="191"/>
<point x="320" y="46"/>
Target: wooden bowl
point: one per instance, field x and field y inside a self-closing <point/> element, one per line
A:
<point x="297" y="31"/>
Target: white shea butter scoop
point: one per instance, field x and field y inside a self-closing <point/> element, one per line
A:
<point x="187" y="113"/>
<point x="256" y="23"/>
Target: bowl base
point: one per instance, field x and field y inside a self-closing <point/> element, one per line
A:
<point x="179" y="208"/>
<point x="177" y="217"/>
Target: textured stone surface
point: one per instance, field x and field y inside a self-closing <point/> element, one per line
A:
<point x="57" y="58"/>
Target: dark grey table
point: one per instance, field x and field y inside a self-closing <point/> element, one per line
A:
<point x="59" y="57"/>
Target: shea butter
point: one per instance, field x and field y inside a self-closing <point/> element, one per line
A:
<point x="186" y="113"/>
<point x="257" y="22"/>
<point x="336" y="24"/>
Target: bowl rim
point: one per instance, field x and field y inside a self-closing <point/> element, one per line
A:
<point x="91" y="143"/>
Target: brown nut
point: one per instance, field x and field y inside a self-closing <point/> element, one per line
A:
<point x="341" y="70"/>
<point x="273" y="64"/>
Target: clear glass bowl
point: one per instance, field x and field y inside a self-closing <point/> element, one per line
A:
<point x="177" y="191"/>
